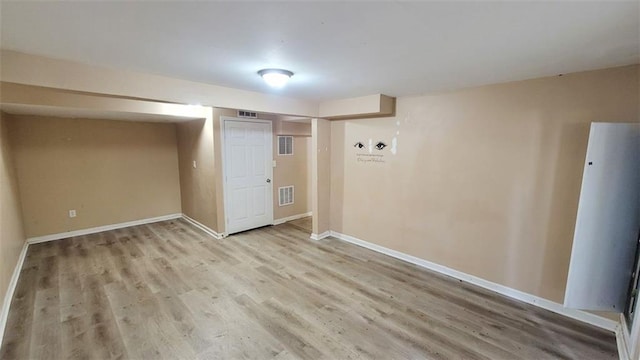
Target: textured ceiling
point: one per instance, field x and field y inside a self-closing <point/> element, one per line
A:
<point x="336" y="49"/>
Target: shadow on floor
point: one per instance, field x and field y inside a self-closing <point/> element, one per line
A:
<point x="302" y="224"/>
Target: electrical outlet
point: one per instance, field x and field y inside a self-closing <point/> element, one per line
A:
<point x="72" y="213"/>
<point x="194" y="164"/>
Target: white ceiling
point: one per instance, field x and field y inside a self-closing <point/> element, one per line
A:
<point x="336" y="49"/>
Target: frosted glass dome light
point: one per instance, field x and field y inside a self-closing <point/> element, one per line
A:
<point x="275" y="78"/>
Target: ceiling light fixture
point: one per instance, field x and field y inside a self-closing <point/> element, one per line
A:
<point x="276" y="78"/>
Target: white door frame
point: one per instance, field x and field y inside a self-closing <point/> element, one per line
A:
<point x="223" y="120"/>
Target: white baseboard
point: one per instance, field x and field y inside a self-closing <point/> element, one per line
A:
<point x="68" y="234"/>
<point x="500" y="289"/>
<point x="11" y="290"/>
<point x="291" y="218"/>
<point x="203" y="227"/>
<point x="321" y="236"/>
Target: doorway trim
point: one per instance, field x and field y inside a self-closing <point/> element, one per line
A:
<point x="223" y="167"/>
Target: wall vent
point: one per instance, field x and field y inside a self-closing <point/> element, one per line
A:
<point x="285" y="195"/>
<point x="285" y="145"/>
<point x="247" y="114"/>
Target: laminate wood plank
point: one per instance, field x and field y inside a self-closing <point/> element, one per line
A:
<point x="232" y="253"/>
<point x="75" y="342"/>
<point x="445" y="322"/>
<point x="156" y="242"/>
<point x="303" y="224"/>
<point x="169" y="290"/>
<point x="170" y="235"/>
<point x="312" y="333"/>
<point x="129" y="320"/>
<point x="142" y="236"/>
<point x="95" y="302"/>
<point x="150" y="275"/>
<point x="45" y="336"/>
<point x="241" y="280"/>
<point x="377" y="278"/>
<point x="214" y="255"/>
<point x="88" y="253"/>
<point x="294" y="343"/>
<point x="130" y="246"/>
<point x="145" y="329"/>
<point x="71" y="296"/>
<point x="373" y="317"/>
<point x="357" y="331"/>
<point x="104" y="340"/>
<point x="205" y="313"/>
<point x="116" y="251"/>
<point x="243" y="337"/>
<point x="445" y="300"/>
<point x="64" y="249"/>
<point x="167" y="270"/>
<point x="297" y="290"/>
<point x="17" y="336"/>
<point x="374" y="281"/>
<point x="176" y="311"/>
<point x="48" y="273"/>
<point x="198" y="275"/>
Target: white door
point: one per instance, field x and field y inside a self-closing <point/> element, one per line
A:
<point x="608" y="219"/>
<point x="248" y="174"/>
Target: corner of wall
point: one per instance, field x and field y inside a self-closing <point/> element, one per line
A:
<point x="12" y="236"/>
<point x="198" y="183"/>
<point x="321" y="174"/>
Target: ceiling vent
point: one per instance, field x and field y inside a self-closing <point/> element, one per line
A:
<point x="247" y="114"/>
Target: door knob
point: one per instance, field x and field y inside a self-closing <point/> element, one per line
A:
<point x="268" y="180"/>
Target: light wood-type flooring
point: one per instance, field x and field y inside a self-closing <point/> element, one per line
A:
<point x="303" y="223"/>
<point x="168" y="290"/>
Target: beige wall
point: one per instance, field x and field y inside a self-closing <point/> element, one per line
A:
<point x="292" y="128"/>
<point x="197" y="184"/>
<point x="202" y="187"/>
<point x="12" y="235"/>
<point x="108" y="171"/>
<point x="377" y="105"/>
<point x="320" y="174"/>
<point x="485" y="180"/>
<point x="310" y="174"/>
<point x="217" y="135"/>
<point x="292" y="170"/>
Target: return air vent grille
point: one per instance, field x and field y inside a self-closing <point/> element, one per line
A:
<point x="285" y="145"/>
<point x="286" y="195"/>
<point x="247" y="114"/>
